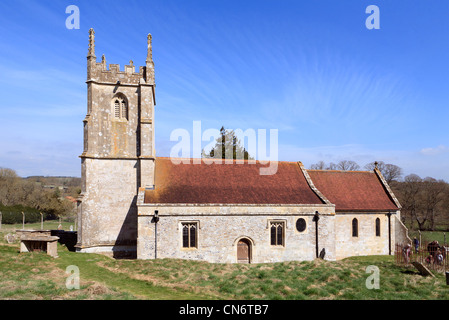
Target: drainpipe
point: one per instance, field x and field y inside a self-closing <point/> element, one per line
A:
<point x="155" y="220"/>
<point x="389" y="233"/>
<point x="315" y="219"/>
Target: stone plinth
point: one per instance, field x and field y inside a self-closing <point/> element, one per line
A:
<point x="38" y="240"/>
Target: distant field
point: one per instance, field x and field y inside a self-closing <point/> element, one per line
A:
<point x="38" y="276"/>
<point x="441" y="237"/>
<point x="48" y="225"/>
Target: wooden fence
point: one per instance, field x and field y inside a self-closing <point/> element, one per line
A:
<point x="431" y="254"/>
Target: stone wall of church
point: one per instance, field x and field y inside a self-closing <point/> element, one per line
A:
<point x="108" y="204"/>
<point x="400" y="231"/>
<point x="221" y="227"/>
<point x="366" y="242"/>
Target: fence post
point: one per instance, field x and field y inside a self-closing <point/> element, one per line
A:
<point x="23" y="220"/>
<point x="42" y="221"/>
<point x="0" y="220"/>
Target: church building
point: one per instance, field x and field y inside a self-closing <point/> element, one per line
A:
<point x="135" y="204"/>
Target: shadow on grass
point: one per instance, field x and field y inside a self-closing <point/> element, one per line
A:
<point x="410" y="272"/>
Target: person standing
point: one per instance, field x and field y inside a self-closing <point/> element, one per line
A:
<point x="406" y="251"/>
<point x="416" y="244"/>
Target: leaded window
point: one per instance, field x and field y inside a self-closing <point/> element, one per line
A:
<point x="277" y="233"/>
<point x="189" y="235"/>
<point x="377" y="227"/>
<point x="355" y="228"/>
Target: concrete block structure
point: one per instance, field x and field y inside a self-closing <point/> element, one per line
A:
<point x="138" y="205"/>
<point x="38" y="240"/>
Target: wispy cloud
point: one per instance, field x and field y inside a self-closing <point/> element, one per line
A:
<point x="410" y="161"/>
<point x="336" y="92"/>
<point x="434" y="151"/>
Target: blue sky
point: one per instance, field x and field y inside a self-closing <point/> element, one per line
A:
<point x="311" y="69"/>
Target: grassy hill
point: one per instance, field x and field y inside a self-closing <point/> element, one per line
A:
<point x="38" y="276"/>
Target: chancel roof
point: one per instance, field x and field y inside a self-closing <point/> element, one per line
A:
<point x="242" y="183"/>
<point x="353" y="190"/>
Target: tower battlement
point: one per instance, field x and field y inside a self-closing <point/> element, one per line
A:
<point x="111" y="74"/>
<point x="101" y="72"/>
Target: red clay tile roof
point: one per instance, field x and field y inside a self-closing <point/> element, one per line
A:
<point x="352" y="190"/>
<point x="229" y="184"/>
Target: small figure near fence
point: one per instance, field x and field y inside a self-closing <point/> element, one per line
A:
<point x="439" y="256"/>
<point x="432" y="255"/>
<point x="416" y="244"/>
<point x="432" y="247"/>
<point x="443" y="251"/>
<point x="406" y="251"/>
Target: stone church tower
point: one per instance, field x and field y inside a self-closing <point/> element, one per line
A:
<point x="118" y="155"/>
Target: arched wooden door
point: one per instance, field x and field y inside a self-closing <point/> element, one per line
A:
<point x="244" y="251"/>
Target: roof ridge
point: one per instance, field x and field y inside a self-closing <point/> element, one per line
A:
<point x="312" y="185"/>
<point x="342" y="171"/>
<point x="387" y="187"/>
<point x="244" y="160"/>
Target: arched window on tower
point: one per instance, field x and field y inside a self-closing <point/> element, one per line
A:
<point x="117" y="108"/>
<point x="124" y="110"/>
<point x="120" y="106"/>
<point x="355" y="228"/>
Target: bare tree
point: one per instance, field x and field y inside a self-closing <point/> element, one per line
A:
<point x="389" y="171"/>
<point x="320" y="165"/>
<point x="433" y="192"/>
<point x="17" y="191"/>
<point x="8" y="186"/>
<point x="392" y="172"/>
<point x="409" y="196"/>
<point x="344" y="165"/>
<point x="347" y="165"/>
<point x="380" y="165"/>
<point x="6" y="173"/>
<point x="332" y="166"/>
<point x="445" y="205"/>
<point x="422" y="200"/>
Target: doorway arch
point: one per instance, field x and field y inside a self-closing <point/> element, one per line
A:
<point x="244" y="250"/>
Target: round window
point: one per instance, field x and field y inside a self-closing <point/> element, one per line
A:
<point x="300" y="224"/>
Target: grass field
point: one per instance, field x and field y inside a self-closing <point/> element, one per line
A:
<point x="441" y="237"/>
<point x="35" y="275"/>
